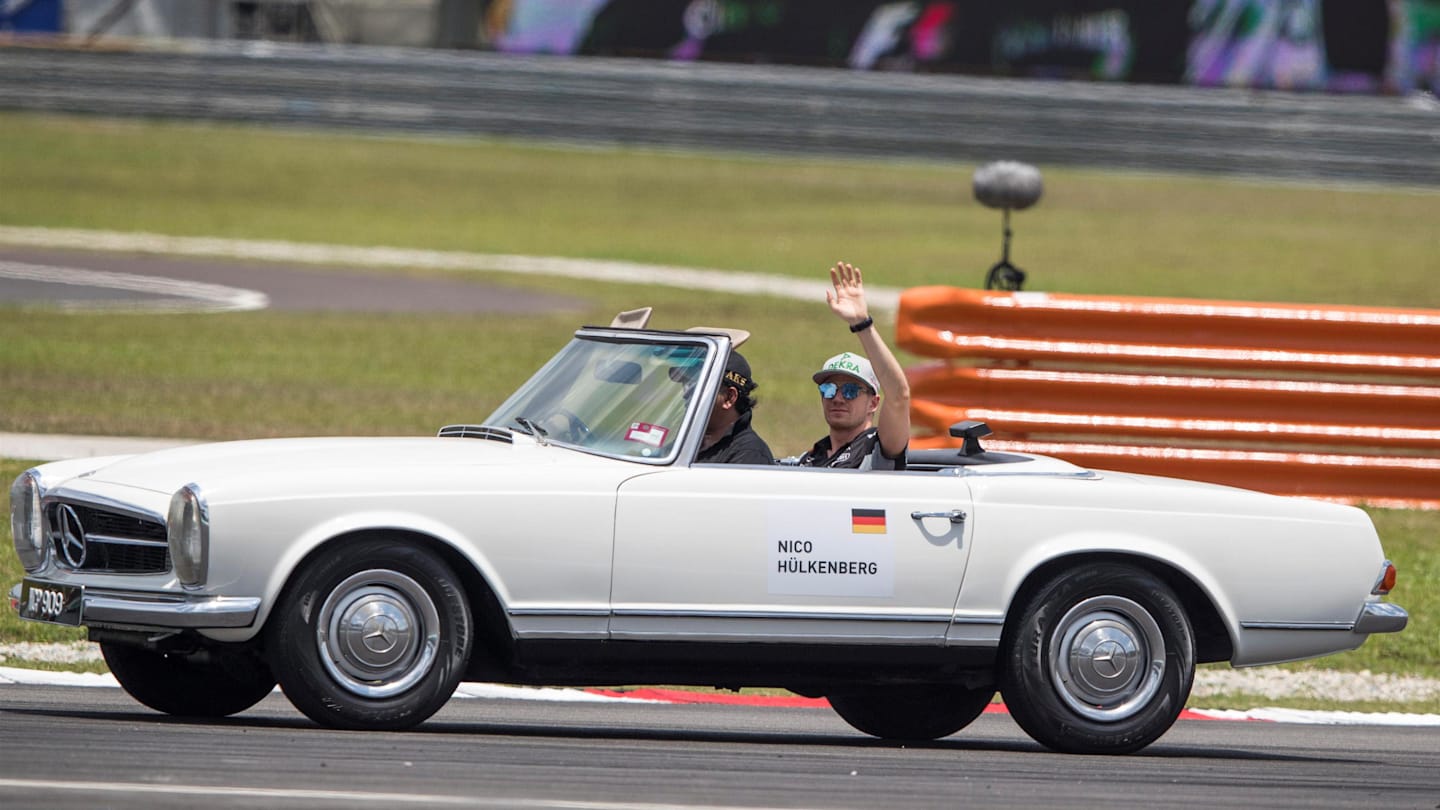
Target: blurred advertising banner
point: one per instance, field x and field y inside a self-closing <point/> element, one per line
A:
<point x="1336" y="45"/>
<point x="31" y="16"/>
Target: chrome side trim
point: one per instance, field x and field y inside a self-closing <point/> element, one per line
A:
<point x="995" y="620"/>
<point x="721" y="636"/>
<point x="169" y="612"/>
<point x="757" y="614"/>
<point x="1381" y="617"/>
<point x="1330" y="626"/>
<point x="762" y="614"/>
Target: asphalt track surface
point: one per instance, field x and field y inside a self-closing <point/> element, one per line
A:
<point x="84" y="747"/>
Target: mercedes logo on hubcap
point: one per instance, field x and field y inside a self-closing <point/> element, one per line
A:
<point x="381" y="634"/>
<point x="72" y="536"/>
<point x="1107" y="659"/>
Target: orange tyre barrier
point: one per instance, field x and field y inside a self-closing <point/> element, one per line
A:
<point x="948" y="322"/>
<point x="1334" y="402"/>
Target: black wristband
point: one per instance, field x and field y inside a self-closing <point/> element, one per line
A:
<point x="863" y="325"/>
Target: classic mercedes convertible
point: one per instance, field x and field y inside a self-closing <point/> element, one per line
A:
<point x="572" y="539"/>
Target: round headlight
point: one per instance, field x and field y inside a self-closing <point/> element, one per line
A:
<point x="27" y="527"/>
<point x="188" y="532"/>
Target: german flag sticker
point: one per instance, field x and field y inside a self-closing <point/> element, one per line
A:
<point x="867" y="521"/>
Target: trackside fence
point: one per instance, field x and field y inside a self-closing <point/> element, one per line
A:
<point x="1333" y="402"/>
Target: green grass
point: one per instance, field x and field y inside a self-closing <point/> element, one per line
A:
<point x="907" y="223"/>
<point x="275" y="373"/>
<point x="281" y="374"/>
<point x="95" y="667"/>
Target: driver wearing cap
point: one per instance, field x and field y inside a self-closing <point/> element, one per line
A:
<point x="868" y="431"/>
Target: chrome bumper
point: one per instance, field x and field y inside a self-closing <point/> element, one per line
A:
<point x="162" y="610"/>
<point x="1381" y="617"/>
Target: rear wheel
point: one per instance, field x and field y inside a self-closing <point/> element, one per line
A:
<point x="371" y="634"/>
<point x="1100" y="662"/>
<point x="215" y="682"/>
<point x="912" y="712"/>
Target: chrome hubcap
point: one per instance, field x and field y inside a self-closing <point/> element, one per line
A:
<point x="1107" y="658"/>
<point x="378" y="633"/>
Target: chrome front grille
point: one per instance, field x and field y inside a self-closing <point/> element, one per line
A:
<point x="87" y="538"/>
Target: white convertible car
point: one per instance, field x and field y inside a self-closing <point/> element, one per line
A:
<point x="570" y="539"/>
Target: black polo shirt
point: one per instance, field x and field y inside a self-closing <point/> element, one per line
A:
<point x="862" y="453"/>
<point x="741" y="445"/>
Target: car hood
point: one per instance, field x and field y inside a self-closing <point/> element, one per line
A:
<point x="218" y="466"/>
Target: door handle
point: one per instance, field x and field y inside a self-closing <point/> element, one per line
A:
<point x="954" y="515"/>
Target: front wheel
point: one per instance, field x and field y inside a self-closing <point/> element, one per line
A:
<point x="1100" y="662"/>
<point x="912" y="712"/>
<point x="216" y="682"/>
<point x="371" y="634"/>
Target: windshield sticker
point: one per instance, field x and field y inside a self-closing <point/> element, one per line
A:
<point x="830" y="552"/>
<point x="646" y="433"/>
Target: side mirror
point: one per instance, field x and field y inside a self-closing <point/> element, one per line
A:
<point x="971" y="431"/>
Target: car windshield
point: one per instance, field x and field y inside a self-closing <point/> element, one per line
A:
<point x="620" y="398"/>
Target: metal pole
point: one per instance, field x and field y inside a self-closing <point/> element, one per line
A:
<point x="457" y="24"/>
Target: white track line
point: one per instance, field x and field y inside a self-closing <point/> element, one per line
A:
<point x="880" y="298"/>
<point x="40" y="786"/>
<point x="194" y="296"/>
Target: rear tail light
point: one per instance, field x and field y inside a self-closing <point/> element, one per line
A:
<point x="1386" y="581"/>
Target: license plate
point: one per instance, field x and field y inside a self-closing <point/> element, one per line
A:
<point x="50" y="602"/>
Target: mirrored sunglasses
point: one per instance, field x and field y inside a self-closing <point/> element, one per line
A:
<point x="848" y="390"/>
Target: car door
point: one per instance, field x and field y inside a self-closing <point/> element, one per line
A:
<point x="737" y="553"/>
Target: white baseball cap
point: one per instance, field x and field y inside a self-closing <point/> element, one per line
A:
<point x="851" y="365"/>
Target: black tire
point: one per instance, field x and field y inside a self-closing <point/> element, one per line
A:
<point x="1100" y="662"/>
<point x="320" y="638"/>
<point x="912" y="712"/>
<point x="217" y="682"/>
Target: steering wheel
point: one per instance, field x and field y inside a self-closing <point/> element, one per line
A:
<point x="564" y="425"/>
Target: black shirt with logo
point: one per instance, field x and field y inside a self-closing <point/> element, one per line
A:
<point x="862" y="453"/>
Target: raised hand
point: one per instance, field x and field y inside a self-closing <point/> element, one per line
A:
<point x="848" y="299"/>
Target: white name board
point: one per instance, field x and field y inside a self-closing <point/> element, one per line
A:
<point x="831" y="550"/>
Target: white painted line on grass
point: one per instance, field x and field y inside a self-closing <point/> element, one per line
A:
<point x="57" y="447"/>
<point x="879" y="298"/>
<point x="194" y="296"/>
<point x="1310" y="717"/>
